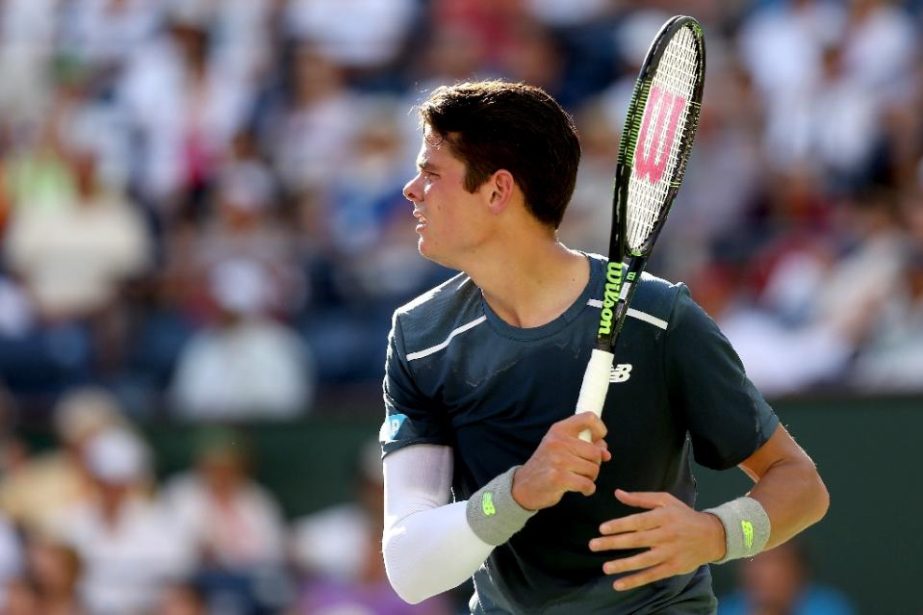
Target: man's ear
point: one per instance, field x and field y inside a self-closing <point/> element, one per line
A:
<point x="502" y="185"/>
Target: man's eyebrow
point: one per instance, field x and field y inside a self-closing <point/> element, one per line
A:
<point x="426" y="165"/>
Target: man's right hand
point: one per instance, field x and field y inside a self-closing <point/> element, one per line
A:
<point x="562" y="462"/>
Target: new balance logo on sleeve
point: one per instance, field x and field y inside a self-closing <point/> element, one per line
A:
<point x="620" y="372"/>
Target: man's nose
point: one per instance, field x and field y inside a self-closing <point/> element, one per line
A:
<point x="411" y="193"/>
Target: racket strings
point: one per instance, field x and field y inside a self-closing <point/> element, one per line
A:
<point x="666" y="115"/>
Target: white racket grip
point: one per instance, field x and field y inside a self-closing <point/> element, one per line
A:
<point x="595" y="386"/>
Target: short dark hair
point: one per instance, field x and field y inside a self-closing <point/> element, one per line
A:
<point x="492" y="125"/>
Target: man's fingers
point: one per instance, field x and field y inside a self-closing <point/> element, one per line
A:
<point x="655" y="573"/>
<point x="644" y="499"/>
<point x="579" y="484"/>
<point x="632" y="523"/>
<point x="573" y="425"/>
<point x="583" y="467"/>
<point x="626" y="540"/>
<point x="645" y="559"/>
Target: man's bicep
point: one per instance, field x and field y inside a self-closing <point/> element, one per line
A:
<point x="726" y="415"/>
<point x="779" y="448"/>
<point x="411" y="416"/>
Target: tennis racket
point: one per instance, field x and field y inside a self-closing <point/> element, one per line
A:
<point x="662" y="118"/>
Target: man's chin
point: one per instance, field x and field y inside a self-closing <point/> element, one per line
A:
<point x="426" y="251"/>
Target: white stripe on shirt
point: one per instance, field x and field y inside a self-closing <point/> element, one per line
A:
<point x="434" y="349"/>
<point x="648" y="318"/>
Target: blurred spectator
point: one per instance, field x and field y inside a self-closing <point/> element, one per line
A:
<point x="185" y="108"/>
<point x="813" y="132"/>
<point x="880" y="46"/>
<point x="246" y="224"/>
<point x="893" y="356"/>
<point x="587" y="223"/>
<point x="781" y="44"/>
<point x="27" y="37"/>
<point x="361" y="35"/>
<point x="811" y="317"/>
<point x="38" y="489"/>
<point x="127" y="542"/>
<point x="311" y="129"/>
<point x="339" y="552"/>
<point x="245" y="365"/>
<point x="778" y="582"/>
<point x="37" y="172"/>
<point x="236" y="526"/>
<point x="234" y="522"/>
<point x="74" y="258"/>
<point x="100" y="34"/>
<point x="490" y="22"/>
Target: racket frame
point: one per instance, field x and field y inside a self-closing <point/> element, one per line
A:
<point x="625" y="266"/>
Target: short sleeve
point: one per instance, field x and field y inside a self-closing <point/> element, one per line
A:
<point x="410" y="417"/>
<point x="727" y="417"/>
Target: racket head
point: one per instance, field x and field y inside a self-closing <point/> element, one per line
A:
<point x="659" y="131"/>
<point x="658" y="135"/>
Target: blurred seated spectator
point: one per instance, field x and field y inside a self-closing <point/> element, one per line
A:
<point x="37" y="489"/>
<point x="245" y="365"/>
<point x="809" y="319"/>
<point x="587" y="223"/>
<point x="778" y="582"/>
<point x="892" y="359"/>
<point x="37" y="172"/>
<point x="233" y="521"/>
<point x="245" y="224"/>
<point x="311" y="128"/>
<point x="74" y="258"/>
<point x="338" y="551"/>
<point x="364" y="36"/>
<point x="235" y="525"/>
<point x="128" y="543"/>
<point x="184" y="107"/>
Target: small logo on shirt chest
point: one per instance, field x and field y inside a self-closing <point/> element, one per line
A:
<point x="620" y="372"/>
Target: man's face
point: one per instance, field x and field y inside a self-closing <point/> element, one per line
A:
<point x="452" y="223"/>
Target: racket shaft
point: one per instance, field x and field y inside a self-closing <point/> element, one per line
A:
<point x="595" y="386"/>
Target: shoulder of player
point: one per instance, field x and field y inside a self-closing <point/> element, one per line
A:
<point x="427" y="319"/>
<point x="656" y="298"/>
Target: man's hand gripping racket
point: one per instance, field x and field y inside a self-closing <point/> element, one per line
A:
<point x="655" y="145"/>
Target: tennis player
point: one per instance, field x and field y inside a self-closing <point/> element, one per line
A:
<point x="485" y="475"/>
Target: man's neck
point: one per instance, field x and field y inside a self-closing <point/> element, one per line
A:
<point x="534" y="283"/>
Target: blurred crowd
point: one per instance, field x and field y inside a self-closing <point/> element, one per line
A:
<point x="201" y="218"/>
<point x="88" y="528"/>
<point x="201" y="210"/>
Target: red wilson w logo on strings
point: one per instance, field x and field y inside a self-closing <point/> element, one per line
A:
<point x="656" y="137"/>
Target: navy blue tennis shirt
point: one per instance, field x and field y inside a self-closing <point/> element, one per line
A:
<point x="458" y="375"/>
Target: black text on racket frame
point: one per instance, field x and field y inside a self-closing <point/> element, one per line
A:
<point x="654" y="148"/>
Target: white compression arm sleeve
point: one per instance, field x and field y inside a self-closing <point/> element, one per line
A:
<point x="428" y="545"/>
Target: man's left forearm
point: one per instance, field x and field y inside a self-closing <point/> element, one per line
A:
<point x="788" y="487"/>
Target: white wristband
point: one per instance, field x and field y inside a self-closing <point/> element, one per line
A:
<point x="746" y="527"/>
